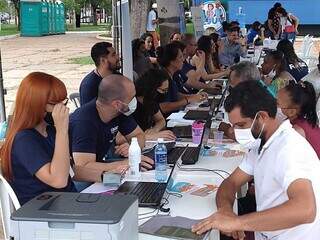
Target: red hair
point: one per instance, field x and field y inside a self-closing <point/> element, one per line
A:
<point x="35" y="91"/>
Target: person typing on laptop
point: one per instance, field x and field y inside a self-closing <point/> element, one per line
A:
<point x="94" y="126"/>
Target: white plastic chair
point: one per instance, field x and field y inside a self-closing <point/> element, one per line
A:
<point x="306" y="47"/>
<point x="9" y="203"/>
<point x="303" y="45"/>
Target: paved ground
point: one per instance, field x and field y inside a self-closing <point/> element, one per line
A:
<point x="50" y="54"/>
<point x="21" y="56"/>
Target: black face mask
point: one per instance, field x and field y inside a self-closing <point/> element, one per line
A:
<point x="49" y="119"/>
<point x="161" y="97"/>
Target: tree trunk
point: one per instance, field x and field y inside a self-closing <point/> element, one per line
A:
<point x="78" y="18"/>
<point x="94" y="15"/>
<point x="16" y="4"/>
<point x="139" y="13"/>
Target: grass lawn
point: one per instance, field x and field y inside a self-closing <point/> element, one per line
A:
<point x="81" y="60"/>
<point x="8" y="29"/>
<point x="89" y="27"/>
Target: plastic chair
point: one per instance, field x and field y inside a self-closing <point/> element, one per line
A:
<point x="75" y="98"/>
<point x="306" y="47"/>
<point x="9" y="203"/>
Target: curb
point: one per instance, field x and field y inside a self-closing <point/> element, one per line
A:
<point x="84" y="32"/>
<point x="9" y="37"/>
<point x="103" y="38"/>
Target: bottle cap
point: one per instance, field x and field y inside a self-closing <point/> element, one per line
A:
<point x="160" y="140"/>
<point x="134" y="139"/>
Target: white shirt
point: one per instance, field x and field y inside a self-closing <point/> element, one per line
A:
<point x="284" y="158"/>
<point x="151" y="27"/>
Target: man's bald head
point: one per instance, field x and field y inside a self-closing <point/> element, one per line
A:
<point x="115" y="87"/>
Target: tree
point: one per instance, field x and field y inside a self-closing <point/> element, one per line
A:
<point x="16" y="4"/>
<point x="3" y="5"/>
<point x="139" y="13"/>
<point x="95" y="6"/>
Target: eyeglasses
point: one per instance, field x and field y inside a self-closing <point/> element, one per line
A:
<point x="64" y="102"/>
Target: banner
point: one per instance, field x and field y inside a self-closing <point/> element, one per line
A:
<point x="214" y="14"/>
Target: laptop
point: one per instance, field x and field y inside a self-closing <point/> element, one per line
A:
<point x="149" y="194"/>
<point x="196" y="115"/>
<point x="173" y="153"/>
<point x="188" y="155"/>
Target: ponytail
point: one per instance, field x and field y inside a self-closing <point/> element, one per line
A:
<point x="304" y="95"/>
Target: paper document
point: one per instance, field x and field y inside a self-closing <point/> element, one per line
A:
<point x="171" y="227"/>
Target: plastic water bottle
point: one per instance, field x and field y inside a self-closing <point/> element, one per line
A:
<point x="161" y="161"/>
<point x="3" y="130"/>
<point x="134" y="159"/>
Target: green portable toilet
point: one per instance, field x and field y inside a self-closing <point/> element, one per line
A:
<point x="44" y="19"/>
<point x="57" y="17"/>
<point x="51" y="18"/>
<point x="62" y="19"/>
<point x="31" y="14"/>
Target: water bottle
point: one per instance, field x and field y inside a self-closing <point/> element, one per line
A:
<point x="134" y="159"/>
<point x="161" y="161"/>
<point x="3" y="130"/>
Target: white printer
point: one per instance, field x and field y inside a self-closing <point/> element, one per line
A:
<point x="76" y="216"/>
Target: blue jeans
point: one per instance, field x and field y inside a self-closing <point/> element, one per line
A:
<point x="289" y="36"/>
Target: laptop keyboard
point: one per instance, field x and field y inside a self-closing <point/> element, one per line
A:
<point x="149" y="192"/>
<point x="191" y="155"/>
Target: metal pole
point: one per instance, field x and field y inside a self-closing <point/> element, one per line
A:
<point x="2" y="93"/>
<point x="115" y="25"/>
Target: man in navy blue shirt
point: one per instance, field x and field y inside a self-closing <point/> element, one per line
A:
<point x="107" y="62"/>
<point x="94" y="126"/>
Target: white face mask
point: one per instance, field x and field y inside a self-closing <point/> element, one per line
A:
<point x="272" y="74"/>
<point x="245" y="136"/>
<point x="132" y="106"/>
<point x="280" y="115"/>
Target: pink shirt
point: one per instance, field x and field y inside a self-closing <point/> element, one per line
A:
<point x="312" y="134"/>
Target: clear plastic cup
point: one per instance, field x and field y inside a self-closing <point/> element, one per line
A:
<point x="218" y="136"/>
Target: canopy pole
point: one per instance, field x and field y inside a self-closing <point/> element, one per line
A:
<point x="2" y="93"/>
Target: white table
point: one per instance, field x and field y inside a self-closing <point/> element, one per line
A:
<point x="189" y="206"/>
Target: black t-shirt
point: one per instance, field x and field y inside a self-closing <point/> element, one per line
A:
<point x="181" y="78"/>
<point x="299" y="71"/>
<point x="89" y="87"/>
<point x="141" y="65"/>
<point x="89" y="134"/>
<point x="143" y="117"/>
<point x="30" y="152"/>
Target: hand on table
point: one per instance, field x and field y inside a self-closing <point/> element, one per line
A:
<point x="196" y="98"/>
<point x="167" y="135"/>
<point x="225" y="221"/>
<point x="122" y="150"/>
<point x="120" y="167"/>
<point x="146" y="163"/>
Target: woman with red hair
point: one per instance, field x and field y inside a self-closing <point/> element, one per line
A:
<point x="35" y="156"/>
